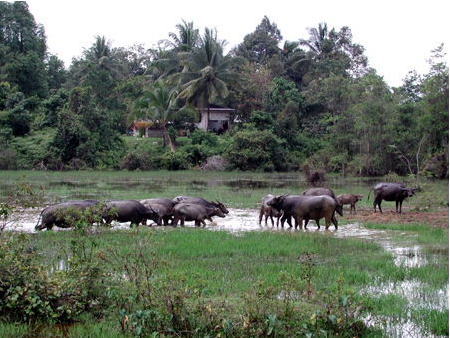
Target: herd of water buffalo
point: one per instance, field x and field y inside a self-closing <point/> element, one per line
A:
<point x="313" y="204"/>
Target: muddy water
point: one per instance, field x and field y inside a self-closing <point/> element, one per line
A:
<point x="410" y="255"/>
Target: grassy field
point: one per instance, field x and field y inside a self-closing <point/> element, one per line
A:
<point x="195" y="282"/>
<point x="236" y="189"/>
<point x="217" y="268"/>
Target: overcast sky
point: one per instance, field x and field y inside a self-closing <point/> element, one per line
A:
<point x="398" y="35"/>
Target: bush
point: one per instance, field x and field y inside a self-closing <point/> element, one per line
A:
<point x="8" y="159"/>
<point x="177" y="160"/>
<point x="30" y="293"/>
<point x="253" y="149"/>
<point x="216" y="162"/>
<point x="136" y="160"/>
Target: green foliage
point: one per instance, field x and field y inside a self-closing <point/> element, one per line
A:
<point x="283" y="92"/>
<point x="253" y="149"/>
<point x="29" y="293"/>
<point x="31" y="152"/>
<point x="261" y="45"/>
<point x="316" y="95"/>
<point x="177" y="160"/>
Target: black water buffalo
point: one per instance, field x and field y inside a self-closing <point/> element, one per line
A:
<point x="317" y="207"/>
<point x="268" y="211"/>
<point x="162" y="206"/>
<point x="128" y="211"/>
<point x="351" y="199"/>
<point x="391" y="192"/>
<point x="325" y="192"/>
<point x="201" y="201"/>
<point x="286" y="204"/>
<point x="304" y="208"/>
<point x="195" y="212"/>
<point x="64" y="215"/>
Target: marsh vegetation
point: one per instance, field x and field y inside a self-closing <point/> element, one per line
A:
<point x="366" y="279"/>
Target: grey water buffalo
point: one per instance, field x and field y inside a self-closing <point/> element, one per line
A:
<point x="163" y="207"/>
<point x="201" y="201"/>
<point x="268" y="211"/>
<point x="304" y="208"/>
<point x="285" y="204"/>
<point x="326" y="192"/>
<point x="65" y="215"/>
<point x="128" y="211"/>
<point x="351" y="199"/>
<point x="397" y="192"/>
<point x="195" y="212"/>
<point x="317" y="207"/>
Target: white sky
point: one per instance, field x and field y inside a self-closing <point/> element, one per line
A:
<point x="398" y="35"/>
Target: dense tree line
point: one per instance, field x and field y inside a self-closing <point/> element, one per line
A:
<point x="312" y="101"/>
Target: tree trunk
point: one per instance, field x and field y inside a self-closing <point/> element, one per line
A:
<point x="167" y="139"/>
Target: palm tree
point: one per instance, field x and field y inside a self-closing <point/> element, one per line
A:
<point x="187" y="38"/>
<point x="320" y="41"/>
<point x="181" y="44"/>
<point x="159" y="105"/>
<point x="208" y="73"/>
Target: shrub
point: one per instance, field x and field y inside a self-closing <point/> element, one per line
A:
<point x="8" y="159"/>
<point x="216" y="162"/>
<point x="29" y="293"/>
<point x="253" y="149"/>
<point x="177" y="160"/>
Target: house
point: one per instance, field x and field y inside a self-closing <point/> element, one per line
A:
<point x="215" y="118"/>
<point x="144" y="128"/>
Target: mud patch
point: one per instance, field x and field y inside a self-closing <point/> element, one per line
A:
<point x="435" y="218"/>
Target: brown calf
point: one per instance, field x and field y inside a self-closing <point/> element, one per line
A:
<point x="349" y="199"/>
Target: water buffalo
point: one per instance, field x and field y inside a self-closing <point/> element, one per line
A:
<point x="316" y="207"/>
<point x="391" y="192"/>
<point x="128" y="211"/>
<point x="285" y="204"/>
<point x="268" y="211"/>
<point x="163" y="207"/>
<point x="326" y="192"/>
<point x="201" y="201"/>
<point x="195" y="212"/>
<point x="349" y="199"/>
<point x="64" y="215"/>
<point x="304" y="208"/>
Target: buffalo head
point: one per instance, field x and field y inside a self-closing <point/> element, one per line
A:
<point x="221" y="206"/>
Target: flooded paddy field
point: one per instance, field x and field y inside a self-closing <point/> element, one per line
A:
<point x="405" y="288"/>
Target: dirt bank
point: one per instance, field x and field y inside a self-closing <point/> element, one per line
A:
<point x="433" y="218"/>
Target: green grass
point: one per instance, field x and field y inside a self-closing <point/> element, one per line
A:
<point x="233" y="264"/>
<point x="236" y="189"/>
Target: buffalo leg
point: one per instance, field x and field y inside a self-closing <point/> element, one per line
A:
<point x="328" y="223"/>
<point x="375" y="203"/>
<point x="318" y="223"/>
<point x="273" y="223"/>
<point x="400" y="202"/>
<point x="261" y="212"/>
<point x="335" y="223"/>
<point x="265" y="219"/>
<point x="298" y="220"/>
<point x="333" y="218"/>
